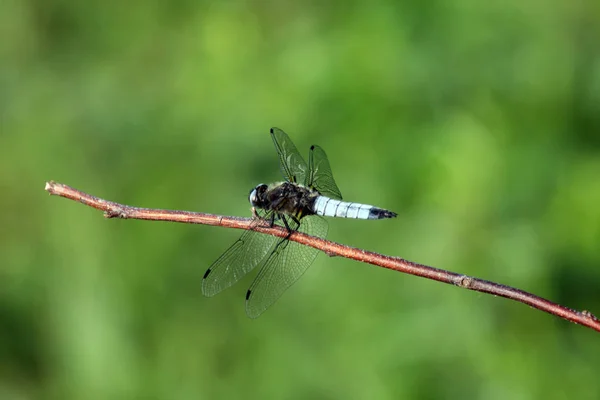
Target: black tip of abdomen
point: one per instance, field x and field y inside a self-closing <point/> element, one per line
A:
<point x="380" y="213"/>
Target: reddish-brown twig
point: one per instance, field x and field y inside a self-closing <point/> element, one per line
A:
<point x="116" y="210"/>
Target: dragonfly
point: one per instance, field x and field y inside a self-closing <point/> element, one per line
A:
<point x="299" y="203"/>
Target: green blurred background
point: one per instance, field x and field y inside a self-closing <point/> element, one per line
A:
<point x="478" y="122"/>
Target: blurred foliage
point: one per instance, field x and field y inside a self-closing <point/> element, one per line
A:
<point x="478" y="122"/>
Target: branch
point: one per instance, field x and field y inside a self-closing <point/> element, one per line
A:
<point x="116" y="210"/>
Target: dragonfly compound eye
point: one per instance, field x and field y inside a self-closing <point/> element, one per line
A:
<point x="256" y="194"/>
<point x="252" y="197"/>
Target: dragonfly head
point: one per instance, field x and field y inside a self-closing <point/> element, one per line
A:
<point x="257" y="196"/>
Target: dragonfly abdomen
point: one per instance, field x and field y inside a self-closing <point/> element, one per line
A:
<point x="328" y="207"/>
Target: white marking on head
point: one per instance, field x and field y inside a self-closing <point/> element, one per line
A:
<point x="252" y="197"/>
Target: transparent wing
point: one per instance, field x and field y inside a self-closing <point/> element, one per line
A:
<point x="283" y="267"/>
<point x="292" y="164"/>
<point x="320" y="176"/>
<point x="245" y="254"/>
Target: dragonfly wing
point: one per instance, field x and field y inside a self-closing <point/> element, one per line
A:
<point x="242" y="257"/>
<point x="283" y="267"/>
<point x="292" y="164"/>
<point x="320" y="176"/>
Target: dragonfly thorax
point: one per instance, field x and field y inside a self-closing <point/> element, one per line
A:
<point x="284" y="198"/>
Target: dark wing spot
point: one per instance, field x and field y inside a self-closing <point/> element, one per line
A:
<point x="248" y="294"/>
<point x="208" y="271"/>
<point x="312" y="147"/>
<point x="271" y="130"/>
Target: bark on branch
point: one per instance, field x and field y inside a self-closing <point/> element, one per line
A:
<point x="116" y="210"/>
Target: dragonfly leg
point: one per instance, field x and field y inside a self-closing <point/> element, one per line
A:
<point x="277" y="203"/>
<point x="272" y="220"/>
<point x="287" y="226"/>
<point x="296" y="220"/>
